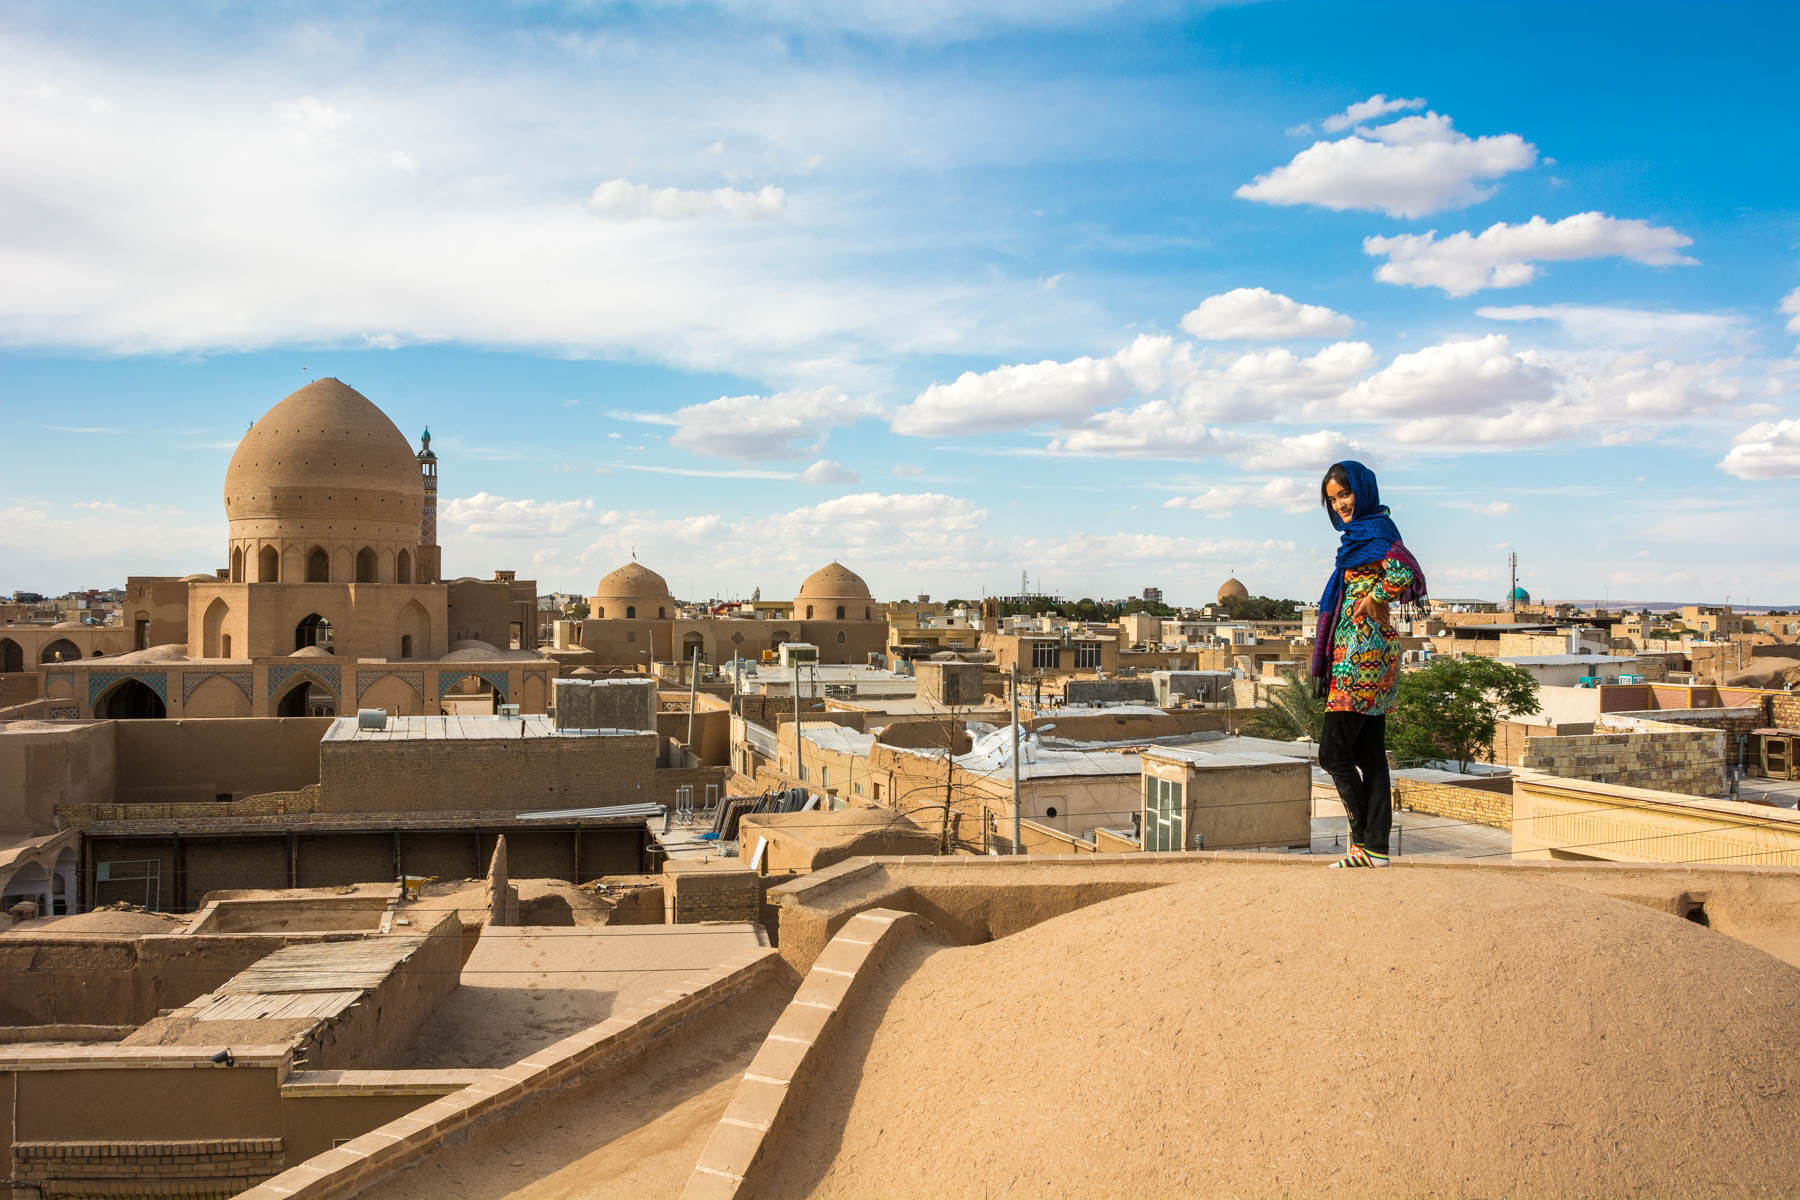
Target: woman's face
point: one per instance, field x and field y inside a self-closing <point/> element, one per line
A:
<point x="1343" y="500"/>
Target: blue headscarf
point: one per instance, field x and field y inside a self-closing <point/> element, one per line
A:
<point x="1369" y="536"/>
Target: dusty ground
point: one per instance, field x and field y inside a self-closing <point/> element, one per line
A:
<point x="105" y="920"/>
<point x="634" y="1135"/>
<point x="528" y="986"/>
<point x="1271" y="1031"/>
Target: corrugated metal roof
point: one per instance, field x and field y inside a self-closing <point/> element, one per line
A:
<point x="323" y="967"/>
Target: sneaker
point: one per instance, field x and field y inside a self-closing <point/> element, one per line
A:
<point x="1359" y="857"/>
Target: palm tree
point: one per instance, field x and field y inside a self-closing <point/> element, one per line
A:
<point x="1290" y="713"/>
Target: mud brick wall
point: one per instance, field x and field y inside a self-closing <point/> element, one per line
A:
<point x="694" y="892"/>
<point x="1459" y="802"/>
<point x="1646" y="754"/>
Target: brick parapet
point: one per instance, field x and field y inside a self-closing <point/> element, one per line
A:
<point x="1456" y="801"/>
<point x="350" y="1168"/>
<point x="796" y="1049"/>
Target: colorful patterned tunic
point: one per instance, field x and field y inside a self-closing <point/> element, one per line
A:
<point x="1365" y="654"/>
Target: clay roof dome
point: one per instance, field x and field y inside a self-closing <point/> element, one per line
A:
<point x="1233" y="589"/>
<point x="633" y="581"/>
<point x="325" y="452"/>
<point x="834" y="581"/>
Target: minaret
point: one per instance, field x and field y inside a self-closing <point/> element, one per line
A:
<point x="430" y="557"/>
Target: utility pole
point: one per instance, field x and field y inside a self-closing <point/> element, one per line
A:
<point x="1017" y="834"/>
<point x="1512" y="595"/>
<point x="798" y="768"/>
<point x="693" y="694"/>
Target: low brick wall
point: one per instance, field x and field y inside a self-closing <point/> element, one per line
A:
<point x="205" y="1167"/>
<point x="1041" y="839"/>
<point x="694" y="892"/>
<point x="1638" y="753"/>
<point x="354" y="1166"/>
<point x="803" y="1040"/>
<point x="1459" y="802"/>
<point x="269" y="804"/>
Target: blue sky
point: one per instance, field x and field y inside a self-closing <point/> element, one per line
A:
<point x="946" y="291"/>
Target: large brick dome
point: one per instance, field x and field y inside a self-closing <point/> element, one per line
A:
<point x="834" y="592"/>
<point x="633" y="591"/>
<point x="325" y="470"/>
<point x="325" y="453"/>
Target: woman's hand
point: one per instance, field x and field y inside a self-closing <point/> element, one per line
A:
<point x="1370" y="609"/>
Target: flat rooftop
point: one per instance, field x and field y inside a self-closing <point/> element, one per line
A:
<point x="1563" y="660"/>
<point x="463" y="729"/>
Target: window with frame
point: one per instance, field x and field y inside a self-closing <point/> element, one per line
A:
<point x="1164" y="819"/>
<point x="1044" y="655"/>
<point x="1087" y="655"/>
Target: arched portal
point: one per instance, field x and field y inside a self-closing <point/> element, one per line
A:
<point x="690" y="643"/>
<point x="809" y="612"/>
<point x="268" y="565"/>
<point x="213" y="638"/>
<point x="12" y="655"/>
<point x="29" y="883"/>
<point x="318" y="566"/>
<point x="306" y="699"/>
<point x="313" y="630"/>
<point x="237" y="565"/>
<point x="403" y="568"/>
<point x="631" y="612"/>
<point x="130" y="700"/>
<point x="840" y="615"/>
<point x="414" y="627"/>
<point x="61" y="650"/>
<point x="365" y="565"/>
<point x="469" y="696"/>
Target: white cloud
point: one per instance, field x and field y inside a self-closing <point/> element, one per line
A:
<point x="908" y="471"/>
<point x="1790" y="306"/>
<point x="1288" y="495"/>
<point x="1408" y="168"/>
<point x="1502" y="255"/>
<point x="753" y="428"/>
<point x="1478" y="376"/>
<point x="623" y="200"/>
<point x="1769" y="450"/>
<point x="1266" y="384"/>
<point x="482" y="515"/>
<point x="1623" y="326"/>
<point x="1257" y="313"/>
<point x="1377" y="105"/>
<point x="1496" y="508"/>
<point x="1014" y="397"/>
<point x="827" y="471"/>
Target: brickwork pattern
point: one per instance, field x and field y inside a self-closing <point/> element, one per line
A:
<point x="693" y="893"/>
<point x="205" y="1167"/>
<point x="1455" y="801"/>
<point x="1664" y="759"/>
<point x="269" y="804"/>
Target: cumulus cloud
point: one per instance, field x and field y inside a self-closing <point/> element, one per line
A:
<point x="1014" y="397"/>
<point x="1622" y="326"/>
<point x="1407" y="168"/>
<point x="1262" y="315"/>
<point x="752" y="428"/>
<point x="1502" y="256"/>
<point x="1463" y="377"/>
<point x="483" y="515"/>
<point x="623" y="200"/>
<point x="1769" y="450"/>
<point x="1288" y="495"/>
<point x="1377" y="105"/>
<point x="827" y="471"/>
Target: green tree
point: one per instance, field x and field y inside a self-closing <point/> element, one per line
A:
<point x="577" y="611"/>
<point x="1260" y="608"/>
<point x="1292" y="712"/>
<point x="1450" y="707"/>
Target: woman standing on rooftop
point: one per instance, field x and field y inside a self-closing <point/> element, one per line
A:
<point x="1356" y="654"/>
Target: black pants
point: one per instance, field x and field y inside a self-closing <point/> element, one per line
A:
<point x="1353" y="751"/>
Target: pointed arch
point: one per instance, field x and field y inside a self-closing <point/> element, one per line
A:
<point x="366" y="565"/>
<point x="130" y="700"/>
<point x="212" y="627"/>
<point x="12" y="656"/>
<point x="306" y="697"/>
<point x="61" y="650"/>
<point x="237" y="564"/>
<point x="268" y="565"/>
<point x="414" y="627"/>
<point x="313" y="630"/>
<point x="318" y="565"/>
<point x="403" y="567"/>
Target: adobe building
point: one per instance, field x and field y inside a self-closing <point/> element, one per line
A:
<point x="332" y="599"/>
<point x="633" y="621"/>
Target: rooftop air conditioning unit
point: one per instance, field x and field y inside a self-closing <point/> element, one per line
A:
<point x="509" y="710"/>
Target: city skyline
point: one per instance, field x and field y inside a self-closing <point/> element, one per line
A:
<point x="943" y="295"/>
